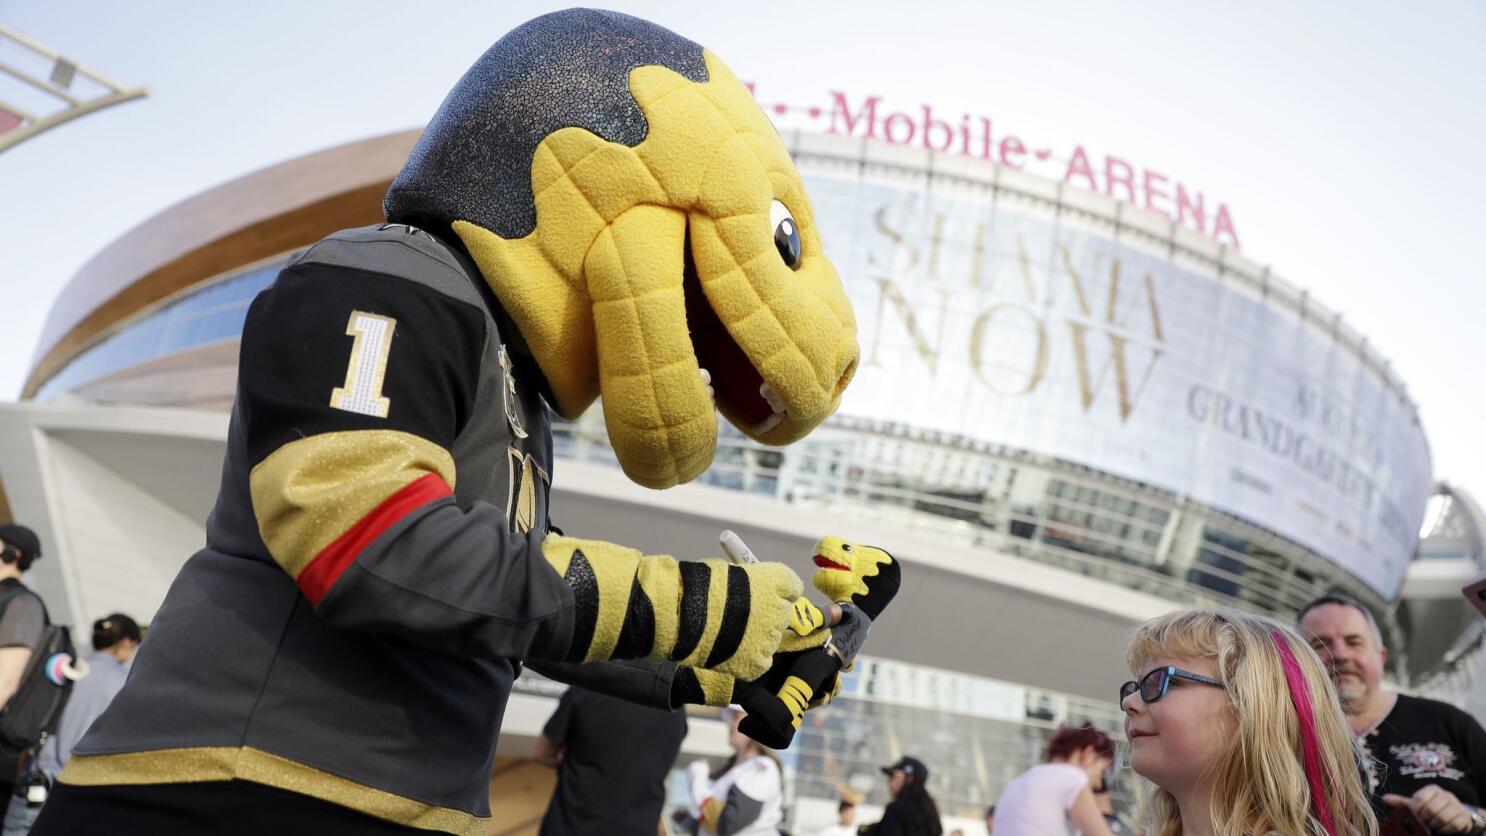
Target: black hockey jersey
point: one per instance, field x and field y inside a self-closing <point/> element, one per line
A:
<point x="373" y="564"/>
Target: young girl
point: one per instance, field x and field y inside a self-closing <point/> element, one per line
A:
<point x="1235" y="721"/>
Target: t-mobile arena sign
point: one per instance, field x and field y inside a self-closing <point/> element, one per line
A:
<point x="973" y="135"/>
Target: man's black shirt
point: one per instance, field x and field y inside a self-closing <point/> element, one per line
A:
<point x="22" y="621"/>
<point x="902" y="817"/>
<point x="1423" y="742"/>
<point x="22" y="617"/>
<point x="612" y="777"/>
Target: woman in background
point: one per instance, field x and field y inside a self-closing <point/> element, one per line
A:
<point x="1057" y="797"/>
<point x="912" y="812"/>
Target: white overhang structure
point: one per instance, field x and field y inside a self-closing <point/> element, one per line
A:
<point x="1444" y="630"/>
<point x="119" y="494"/>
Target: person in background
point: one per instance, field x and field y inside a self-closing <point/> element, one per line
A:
<point x="1427" y="755"/>
<point x="846" y="820"/>
<point x="1105" y="803"/>
<point x="912" y="812"/>
<point x="1234" y="721"/>
<point x="115" y="638"/>
<point x="22" y="623"/>
<point x="1051" y="797"/>
<point x="991" y="820"/>
<point x="747" y="798"/>
<point x="611" y="758"/>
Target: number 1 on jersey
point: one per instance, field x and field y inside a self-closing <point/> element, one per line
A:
<point x="362" y="391"/>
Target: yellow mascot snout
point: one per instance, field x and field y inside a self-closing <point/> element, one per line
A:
<point x="684" y="268"/>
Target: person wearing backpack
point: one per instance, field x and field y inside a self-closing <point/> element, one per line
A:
<point x="115" y="638"/>
<point x="23" y="622"/>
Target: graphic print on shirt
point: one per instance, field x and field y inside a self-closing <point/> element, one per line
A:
<point x="1370" y="766"/>
<point x="1425" y="760"/>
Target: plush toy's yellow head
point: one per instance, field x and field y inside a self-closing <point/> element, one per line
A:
<point x="854" y="573"/>
<point x="672" y="262"/>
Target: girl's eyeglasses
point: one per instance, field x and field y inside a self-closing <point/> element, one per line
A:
<point x="1153" y="685"/>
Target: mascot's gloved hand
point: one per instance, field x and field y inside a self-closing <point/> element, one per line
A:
<point x="812" y="653"/>
<point x="700" y="614"/>
<point x="809" y="629"/>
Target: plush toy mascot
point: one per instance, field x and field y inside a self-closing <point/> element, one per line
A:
<point x="862" y="580"/>
<point x="599" y="208"/>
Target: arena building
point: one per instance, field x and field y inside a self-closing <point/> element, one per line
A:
<point x="1071" y="415"/>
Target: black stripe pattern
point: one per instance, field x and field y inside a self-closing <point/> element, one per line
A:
<point x="734" y="618"/>
<point x="637" y="635"/>
<point x="585" y="586"/>
<point x="686" y="690"/>
<point x="695" y="578"/>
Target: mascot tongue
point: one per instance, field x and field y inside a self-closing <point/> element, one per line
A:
<point x="734" y="378"/>
<point x="826" y="563"/>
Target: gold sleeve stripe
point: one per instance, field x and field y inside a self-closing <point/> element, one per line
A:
<point x="311" y="491"/>
<point x="796" y="694"/>
<point x="712" y="813"/>
<point x="225" y="763"/>
<point x="327" y="567"/>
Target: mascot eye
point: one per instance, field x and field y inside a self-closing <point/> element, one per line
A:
<point x="786" y="234"/>
<point x="846" y="547"/>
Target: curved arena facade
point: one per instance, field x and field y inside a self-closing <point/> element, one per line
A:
<point x="1070" y="415"/>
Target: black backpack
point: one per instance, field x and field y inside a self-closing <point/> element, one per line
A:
<point x="33" y="710"/>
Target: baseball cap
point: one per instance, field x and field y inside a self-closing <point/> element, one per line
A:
<point x="912" y="766"/>
<point x="22" y="538"/>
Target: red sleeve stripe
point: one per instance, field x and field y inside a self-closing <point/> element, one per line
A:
<point x="327" y="566"/>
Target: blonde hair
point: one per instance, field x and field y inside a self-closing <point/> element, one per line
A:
<point x="1259" y="781"/>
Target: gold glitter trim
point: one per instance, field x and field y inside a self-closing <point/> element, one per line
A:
<point x="310" y="491"/>
<point x="225" y="763"/>
<point x="712" y="813"/>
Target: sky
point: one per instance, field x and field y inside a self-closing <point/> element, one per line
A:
<point x="1344" y="139"/>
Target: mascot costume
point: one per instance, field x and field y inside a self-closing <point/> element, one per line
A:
<point x="598" y="209"/>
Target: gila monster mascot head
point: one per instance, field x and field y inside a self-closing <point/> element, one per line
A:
<point x="641" y="222"/>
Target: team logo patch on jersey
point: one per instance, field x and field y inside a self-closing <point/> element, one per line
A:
<point x="512" y="401"/>
<point x="1426" y="760"/>
<point x="526" y="478"/>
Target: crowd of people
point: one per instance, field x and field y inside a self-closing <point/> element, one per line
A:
<point x="1235" y="724"/>
<point x="28" y="768"/>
